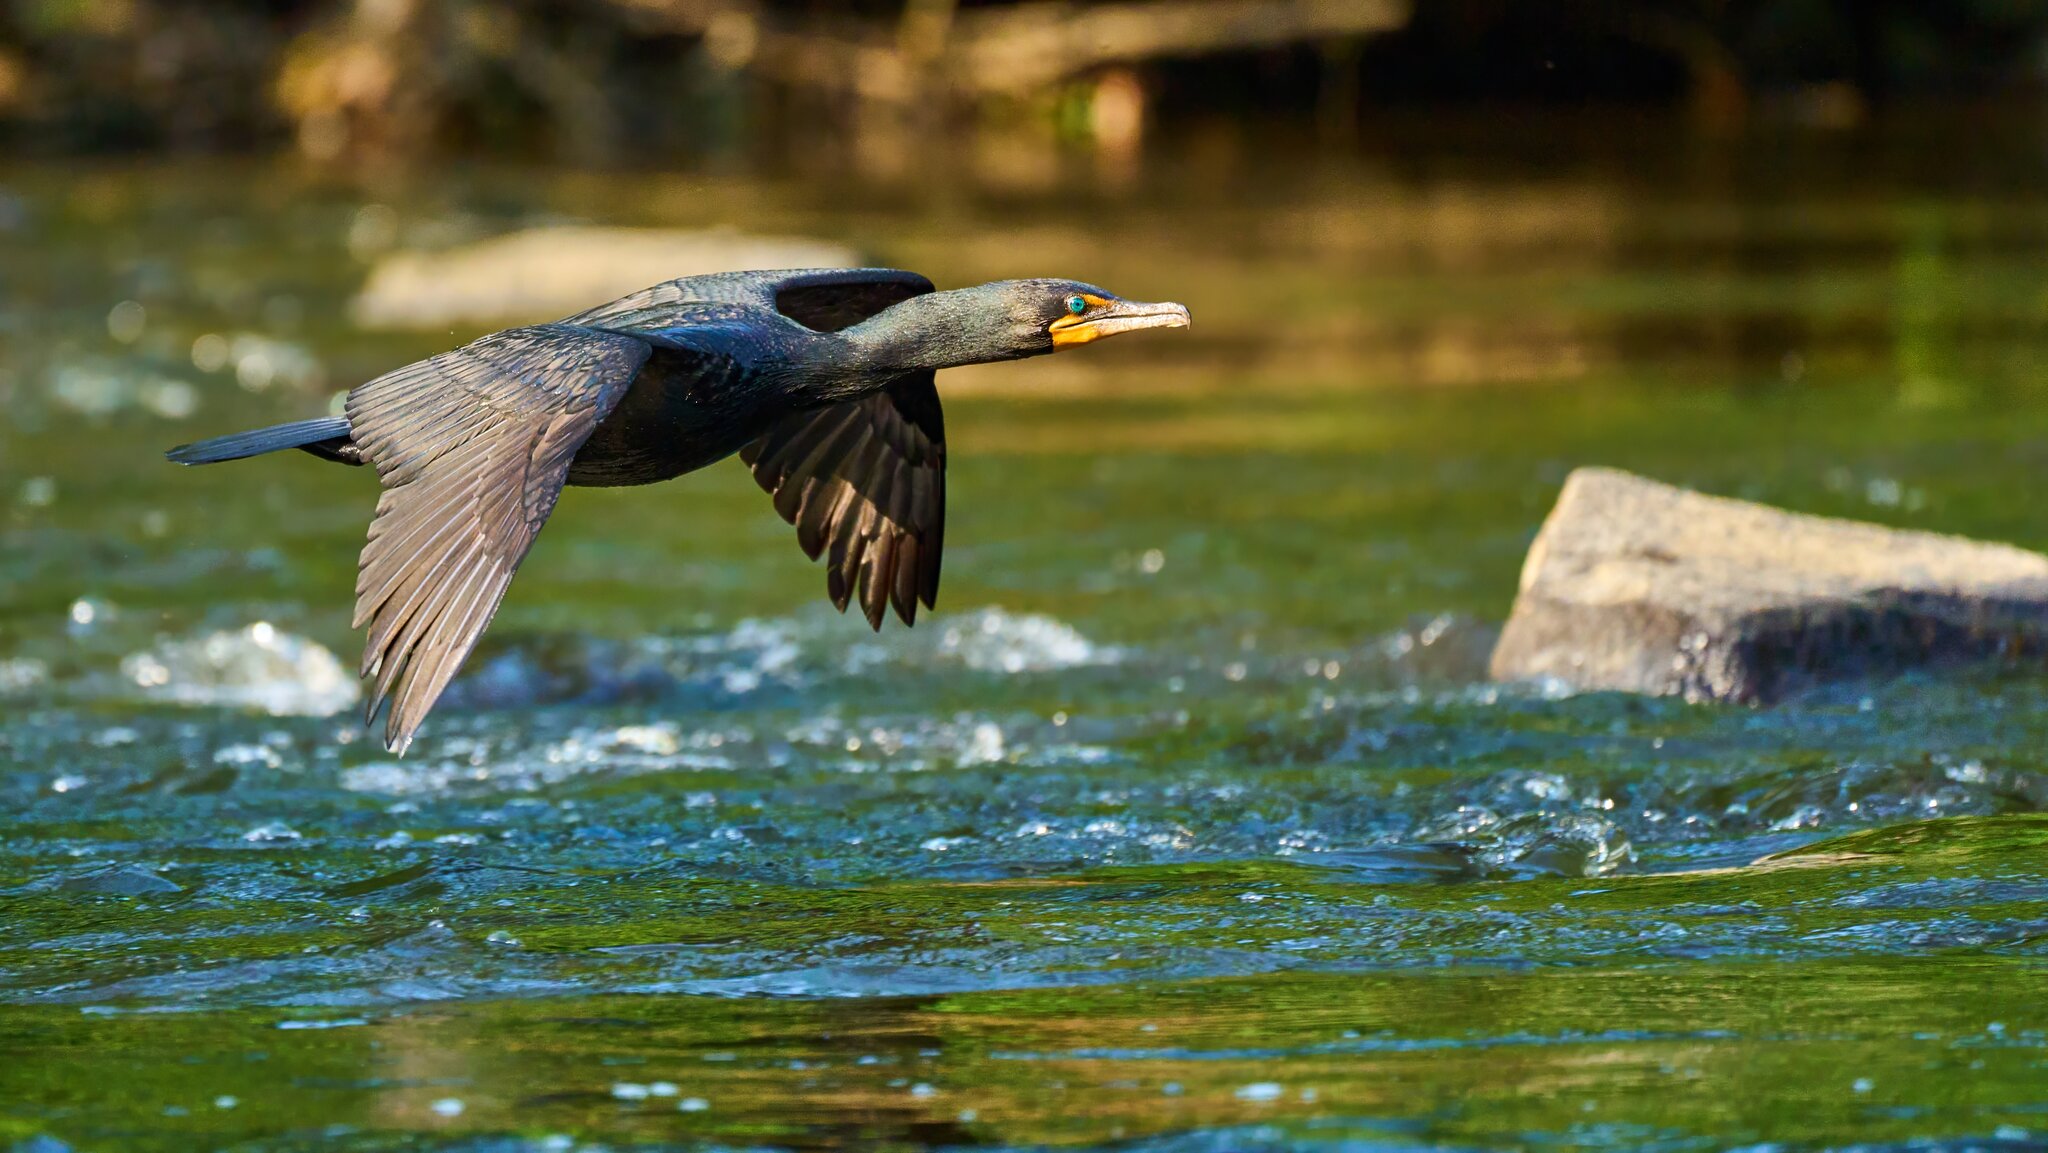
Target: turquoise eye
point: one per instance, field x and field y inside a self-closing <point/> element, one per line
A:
<point x="1076" y="305"/>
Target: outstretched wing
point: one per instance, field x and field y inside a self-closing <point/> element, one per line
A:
<point x="473" y="447"/>
<point x="864" y="482"/>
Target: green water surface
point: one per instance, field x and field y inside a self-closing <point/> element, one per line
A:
<point x="1190" y="822"/>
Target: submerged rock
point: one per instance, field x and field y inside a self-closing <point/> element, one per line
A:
<point x="547" y="273"/>
<point x="1642" y="587"/>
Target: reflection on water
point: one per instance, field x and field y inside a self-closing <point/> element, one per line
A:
<point x="1188" y="823"/>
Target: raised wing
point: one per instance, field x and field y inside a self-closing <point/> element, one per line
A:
<point x="825" y="299"/>
<point x="864" y="482"/>
<point x="472" y="447"/>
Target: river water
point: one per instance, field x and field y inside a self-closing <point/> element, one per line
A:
<point x="1189" y="822"/>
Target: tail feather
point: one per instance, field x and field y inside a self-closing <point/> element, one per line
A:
<point x="307" y="434"/>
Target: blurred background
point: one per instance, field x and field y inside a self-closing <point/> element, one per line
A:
<point x="1396" y="222"/>
<point x="1192" y="808"/>
<point x="774" y="81"/>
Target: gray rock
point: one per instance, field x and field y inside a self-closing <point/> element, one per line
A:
<point x="544" y="274"/>
<point x="1642" y="587"/>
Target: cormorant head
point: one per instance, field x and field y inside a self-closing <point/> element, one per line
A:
<point x="1002" y="320"/>
<point x="1049" y="315"/>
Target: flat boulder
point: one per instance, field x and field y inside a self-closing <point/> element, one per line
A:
<point x="543" y="274"/>
<point x="1641" y="587"/>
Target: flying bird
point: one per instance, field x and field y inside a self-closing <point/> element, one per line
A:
<point x="821" y="380"/>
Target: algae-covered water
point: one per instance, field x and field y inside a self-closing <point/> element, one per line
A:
<point x="1188" y="823"/>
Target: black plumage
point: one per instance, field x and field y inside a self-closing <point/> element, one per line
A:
<point x="822" y="381"/>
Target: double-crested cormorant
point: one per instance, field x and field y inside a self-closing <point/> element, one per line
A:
<point x="821" y="381"/>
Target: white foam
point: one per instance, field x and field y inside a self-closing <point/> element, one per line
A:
<point x="20" y="674"/>
<point x="993" y="640"/>
<point x="254" y="667"/>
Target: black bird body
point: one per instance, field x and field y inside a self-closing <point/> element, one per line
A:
<point x="822" y="381"/>
<point x="698" y="399"/>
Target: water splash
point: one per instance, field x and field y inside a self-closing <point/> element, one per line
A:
<point x="256" y="667"/>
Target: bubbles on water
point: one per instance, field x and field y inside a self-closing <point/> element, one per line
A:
<point x="1541" y="842"/>
<point x="257" y="667"/>
<point x="1803" y="817"/>
<point x="271" y="833"/>
<point x="923" y="744"/>
<point x="993" y="640"/>
<point x="86" y="614"/>
<point x="458" y="763"/>
<point x="662" y="745"/>
<point x="1570" y="844"/>
<point x="22" y="675"/>
<point x="740" y="661"/>
<point x="984" y="745"/>
<point x="246" y="756"/>
<point x="402" y="778"/>
<point x="661" y="740"/>
<point x="756" y="658"/>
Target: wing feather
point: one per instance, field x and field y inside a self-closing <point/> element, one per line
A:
<point x="864" y="482"/>
<point x="473" y="447"/>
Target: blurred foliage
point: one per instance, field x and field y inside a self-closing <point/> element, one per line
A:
<point x="611" y="80"/>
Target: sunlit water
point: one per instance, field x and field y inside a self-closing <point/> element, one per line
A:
<point x="1188" y="823"/>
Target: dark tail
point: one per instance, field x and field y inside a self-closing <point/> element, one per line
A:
<point x="326" y="437"/>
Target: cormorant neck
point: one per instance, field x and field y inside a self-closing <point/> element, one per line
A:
<point x="937" y="330"/>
